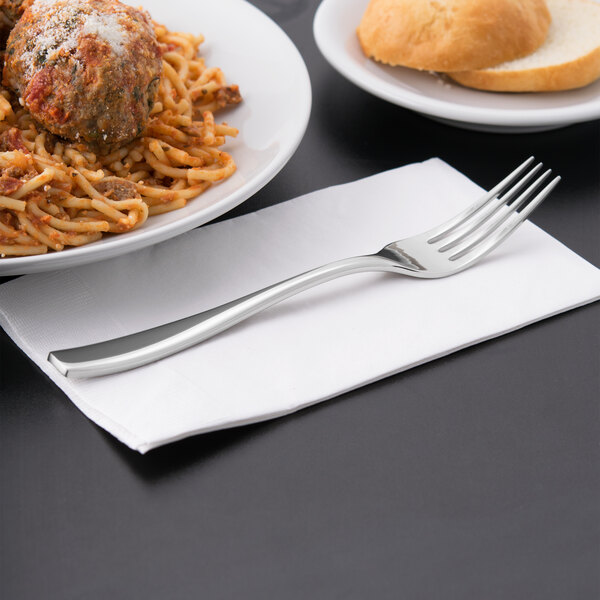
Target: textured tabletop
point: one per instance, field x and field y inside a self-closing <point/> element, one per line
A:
<point x="474" y="476"/>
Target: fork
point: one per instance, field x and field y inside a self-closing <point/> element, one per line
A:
<point x="444" y="250"/>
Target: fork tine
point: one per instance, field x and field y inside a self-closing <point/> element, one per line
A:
<point x="447" y="227"/>
<point x="496" y="236"/>
<point x="472" y="224"/>
<point x="488" y="229"/>
<point x="539" y="199"/>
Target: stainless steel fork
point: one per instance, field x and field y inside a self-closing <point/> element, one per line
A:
<point x="444" y="250"/>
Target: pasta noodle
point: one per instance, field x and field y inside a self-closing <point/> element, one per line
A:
<point x="55" y="193"/>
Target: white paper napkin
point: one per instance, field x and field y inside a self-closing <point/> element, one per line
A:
<point x="324" y="342"/>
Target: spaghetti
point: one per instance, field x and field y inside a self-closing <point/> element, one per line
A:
<point x="55" y="194"/>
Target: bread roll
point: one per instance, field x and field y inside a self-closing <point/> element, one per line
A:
<point x="452" y="35"/>
<point x="569" y="58"/>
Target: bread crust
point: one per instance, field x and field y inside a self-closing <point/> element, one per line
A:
<point x="563" y="73"/>
<point x="566" y="76"/>
<point x="452" y="35"/>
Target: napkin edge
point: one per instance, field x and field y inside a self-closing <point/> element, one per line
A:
<point x="123" y="434"/>
<point x="146" y="446"/>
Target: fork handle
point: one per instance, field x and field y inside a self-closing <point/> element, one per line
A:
<point x="135" y="350"/>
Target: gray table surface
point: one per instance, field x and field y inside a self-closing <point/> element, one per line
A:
<point x="474" y="476"/>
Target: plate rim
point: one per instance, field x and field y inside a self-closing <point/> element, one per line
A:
<point x="87" y="254"/>
<point x="444" y="109"/>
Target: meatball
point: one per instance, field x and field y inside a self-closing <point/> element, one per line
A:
<point x="117" y="188"/>
<point x="87" y="70"/>
<point x="10" y="11"/>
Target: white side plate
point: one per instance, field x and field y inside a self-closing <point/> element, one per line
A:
<point x="335" y="26"/>
<point x="257" y="55"/>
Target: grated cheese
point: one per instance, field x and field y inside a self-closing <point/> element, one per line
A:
<point x="63" y="25"/>
<point x="108" y="29"/>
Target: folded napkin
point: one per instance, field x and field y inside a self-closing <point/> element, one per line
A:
<point x="319" y="344"/>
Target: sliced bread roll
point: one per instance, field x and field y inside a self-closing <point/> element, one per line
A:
<point x="452" y="35"/>
<point x="568" y="59"/>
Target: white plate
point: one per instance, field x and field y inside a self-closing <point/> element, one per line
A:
<point x="258" y="56"/>
<point x="335" y="26"/>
